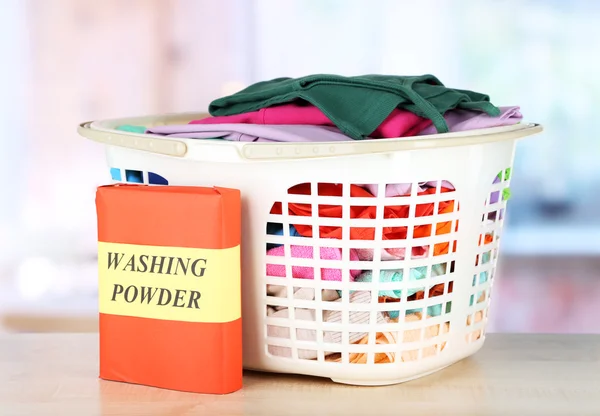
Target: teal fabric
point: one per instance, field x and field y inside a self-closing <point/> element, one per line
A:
<point x="385" y="276"/>
<point x="417" y="273"/>
<point x="358" y="105"/>
<point x="435" y="310"/>
<point x="483" y="277"/>
<point x="132" y="129"/>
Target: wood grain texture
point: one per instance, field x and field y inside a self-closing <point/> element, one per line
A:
<point x="56" y="374"/>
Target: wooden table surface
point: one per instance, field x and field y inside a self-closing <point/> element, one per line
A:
<point x="56" y="374"/>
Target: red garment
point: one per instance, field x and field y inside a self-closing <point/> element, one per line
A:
<point x="368" y="233"/>
<point x="400" y="123"/>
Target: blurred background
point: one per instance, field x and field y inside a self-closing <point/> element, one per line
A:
<point x="68" y="61"/>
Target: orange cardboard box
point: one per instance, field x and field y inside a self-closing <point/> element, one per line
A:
<point x="170" y="287"/>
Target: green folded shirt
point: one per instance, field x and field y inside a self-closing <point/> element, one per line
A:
<point x="358" y="105"/>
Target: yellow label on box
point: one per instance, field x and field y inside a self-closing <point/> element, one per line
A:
<point x="172" y="283"/>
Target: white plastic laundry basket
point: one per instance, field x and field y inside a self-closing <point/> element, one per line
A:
<point x="441" y="245"/>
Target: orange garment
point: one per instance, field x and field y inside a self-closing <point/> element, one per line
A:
<point x="409" y="336"/>
<point x="361" y="357"/>
<point x="414" y="335"/>
<point x="367" y="212"/>
<point x="475" y="335"/>
<point x="487" y="240"/>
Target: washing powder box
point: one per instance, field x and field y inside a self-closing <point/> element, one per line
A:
<point x="169" y="287"/>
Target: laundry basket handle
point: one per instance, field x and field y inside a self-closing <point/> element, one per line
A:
<point x="161" y="145"/>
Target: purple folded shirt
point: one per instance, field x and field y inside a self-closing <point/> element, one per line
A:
<point x="457" y="120"/>
<point x="461" y="120"/>
<point x="253" y="132"/>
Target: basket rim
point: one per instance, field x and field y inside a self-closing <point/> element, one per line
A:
<point x="104" y="131"/>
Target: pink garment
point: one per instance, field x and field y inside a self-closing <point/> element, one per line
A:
<point x="306" y="252"/>
<point x="403" y="189"/>
<point x="400" y="123"/>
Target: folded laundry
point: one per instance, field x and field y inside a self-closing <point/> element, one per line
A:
<point x="399" y="123"/>
<point x="359" y="104"/>
<point x="307" y="272"/>
<point x="331" y="337"/>
<point x="251" y="132"/>
<point x="461" y="120"/>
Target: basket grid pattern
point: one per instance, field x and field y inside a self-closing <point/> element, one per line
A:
<point x="318" y="304"/>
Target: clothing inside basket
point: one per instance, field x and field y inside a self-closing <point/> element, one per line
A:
<point x="356" y="317"/>
<point x="287" y="123"/>
<point x="415" y="291"/>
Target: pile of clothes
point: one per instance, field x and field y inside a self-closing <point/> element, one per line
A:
<point x="300" y="251"/>
<point x="332" y="108"/>
<point x="367" y="233"/>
